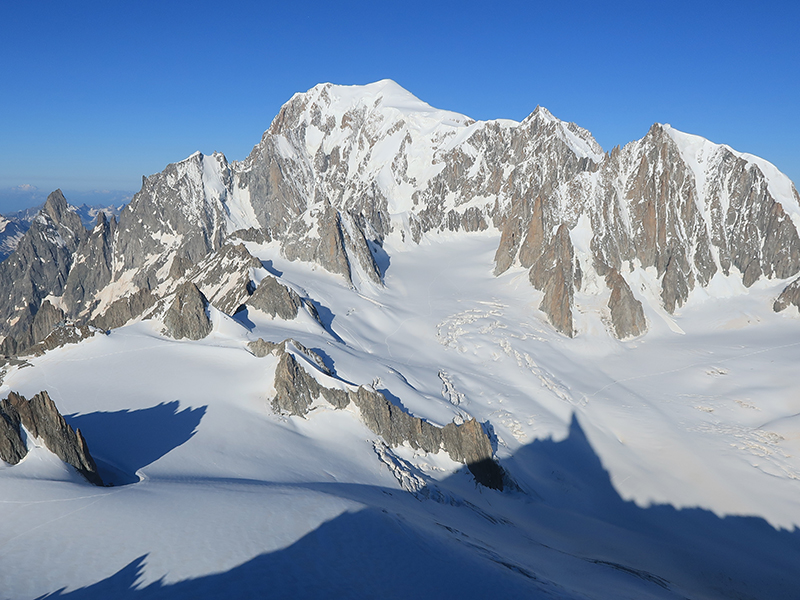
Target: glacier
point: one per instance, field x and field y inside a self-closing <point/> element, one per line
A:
<point x="658" y="465"/>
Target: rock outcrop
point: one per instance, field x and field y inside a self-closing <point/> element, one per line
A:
<point x="789" y="296"/>
<point x="554" y="272"/>
<point x="627" y="314"/>
<point x="296" y="390"/>
<point x="37" y="268"/>
<point x="41" y="419"/>
<point x="11" y="232"/>
<point x="123" y="310"/>
<point x="262" y="348"/>
<point x="23" y="336"/>
<point x="187" y="316"/>
<point x="275" y="299"/>
<point x="64" y="334"/>
<point x="92" y="270"/>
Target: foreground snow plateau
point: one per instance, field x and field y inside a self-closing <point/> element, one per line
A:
<point x="663" y="467"/>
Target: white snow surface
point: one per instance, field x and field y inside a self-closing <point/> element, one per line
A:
<point x="697" y="151"/>
<point x="663" y="467"/>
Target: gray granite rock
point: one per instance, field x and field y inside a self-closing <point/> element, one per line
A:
<point x="275" y="299"/>
<point x="224" y="277"/>
<point x="296" y="390"/>
<point x="553" y="273"/>
<point x="25" y="334"/>
<point x="251" y="234"/>
<point x="262" y="348"/>
<point x="37" y="268"/>
<point x="678" y="280"/>
<point x="627" y="314"/>
<point x="180" y="265"/>
<point x="187" y="316"/>
<point x="173" y="214"/>
<point x="41" y="419"/>
<point x="91" y="269"/>
<point x="790" y="296"/>
<point x="124" y="309"/>
<point x="12" y="446"/>
<point x="62" y="335"/>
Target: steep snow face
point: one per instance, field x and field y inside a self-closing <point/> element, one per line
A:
<point x="11" y="233"/>
<point x="347" y="139"/>
<point x="386" y="157"/>
<point x="704" y="157"/>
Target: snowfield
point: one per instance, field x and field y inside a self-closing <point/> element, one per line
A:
<point x="666" y="466"/>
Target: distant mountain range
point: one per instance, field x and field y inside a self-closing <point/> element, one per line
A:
<point x="14" y="225"/>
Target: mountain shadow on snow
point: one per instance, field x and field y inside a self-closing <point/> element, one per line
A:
<point x="589" y="543"/>
<point x="125" y="441"/>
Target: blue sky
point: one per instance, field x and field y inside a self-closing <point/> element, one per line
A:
<point x="95" y="94"/>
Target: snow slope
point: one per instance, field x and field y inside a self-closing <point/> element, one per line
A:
<point x="664" y="467"/>
<point x="700" y="153"/>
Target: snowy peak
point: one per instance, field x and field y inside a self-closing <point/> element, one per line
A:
<point x="343" y="168"/>
<point x="703" y="156"/>
<point x="385" y="97"/>
<point x="580" y="140"/>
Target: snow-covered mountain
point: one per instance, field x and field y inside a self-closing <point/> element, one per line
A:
<point x="14" y="226"/>
<point x="11" y="231"/>
<point x="398" y="351"/>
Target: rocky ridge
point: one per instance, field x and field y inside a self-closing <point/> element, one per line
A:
<point x="187" y="316"/>
<point x="11" y="232"/>
<point x="296" y="389"/>
<point x="41" y="419"/>
<point x="341" y="168"/>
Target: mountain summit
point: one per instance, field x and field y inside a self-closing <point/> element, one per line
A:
<point x="343" y="167"/>
<point x="398" y="352"/>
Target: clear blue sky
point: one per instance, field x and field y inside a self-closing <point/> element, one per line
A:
<point x="96" y="94"/>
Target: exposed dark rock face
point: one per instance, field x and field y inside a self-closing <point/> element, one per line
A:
<point x="11" y="232"/>
<point x="262" y="348"/>
<point x="38" y="267"/>
<point x="296" y="390"/>
<point x="789" y="296"/>
<point x="761" y="237"/>
<point x="22" y="336"/>
<point x="275" y="299"/>
<point x="124" y="309"/>
<point x="92" y="270"/>
<point x="335" y="247"/>
<point x="180" y="265"/>
<point x="554" y="273"/>
<point x="677" y="282"/>
<point x="67" y="333"/>
<point x="12" y="448"/>
<point x="174" y="202"/>
<point x="251" y="234"/>
<point x="627" y="314"/>
<point x="41" y="419"/>
<point x="187" y="317"/>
